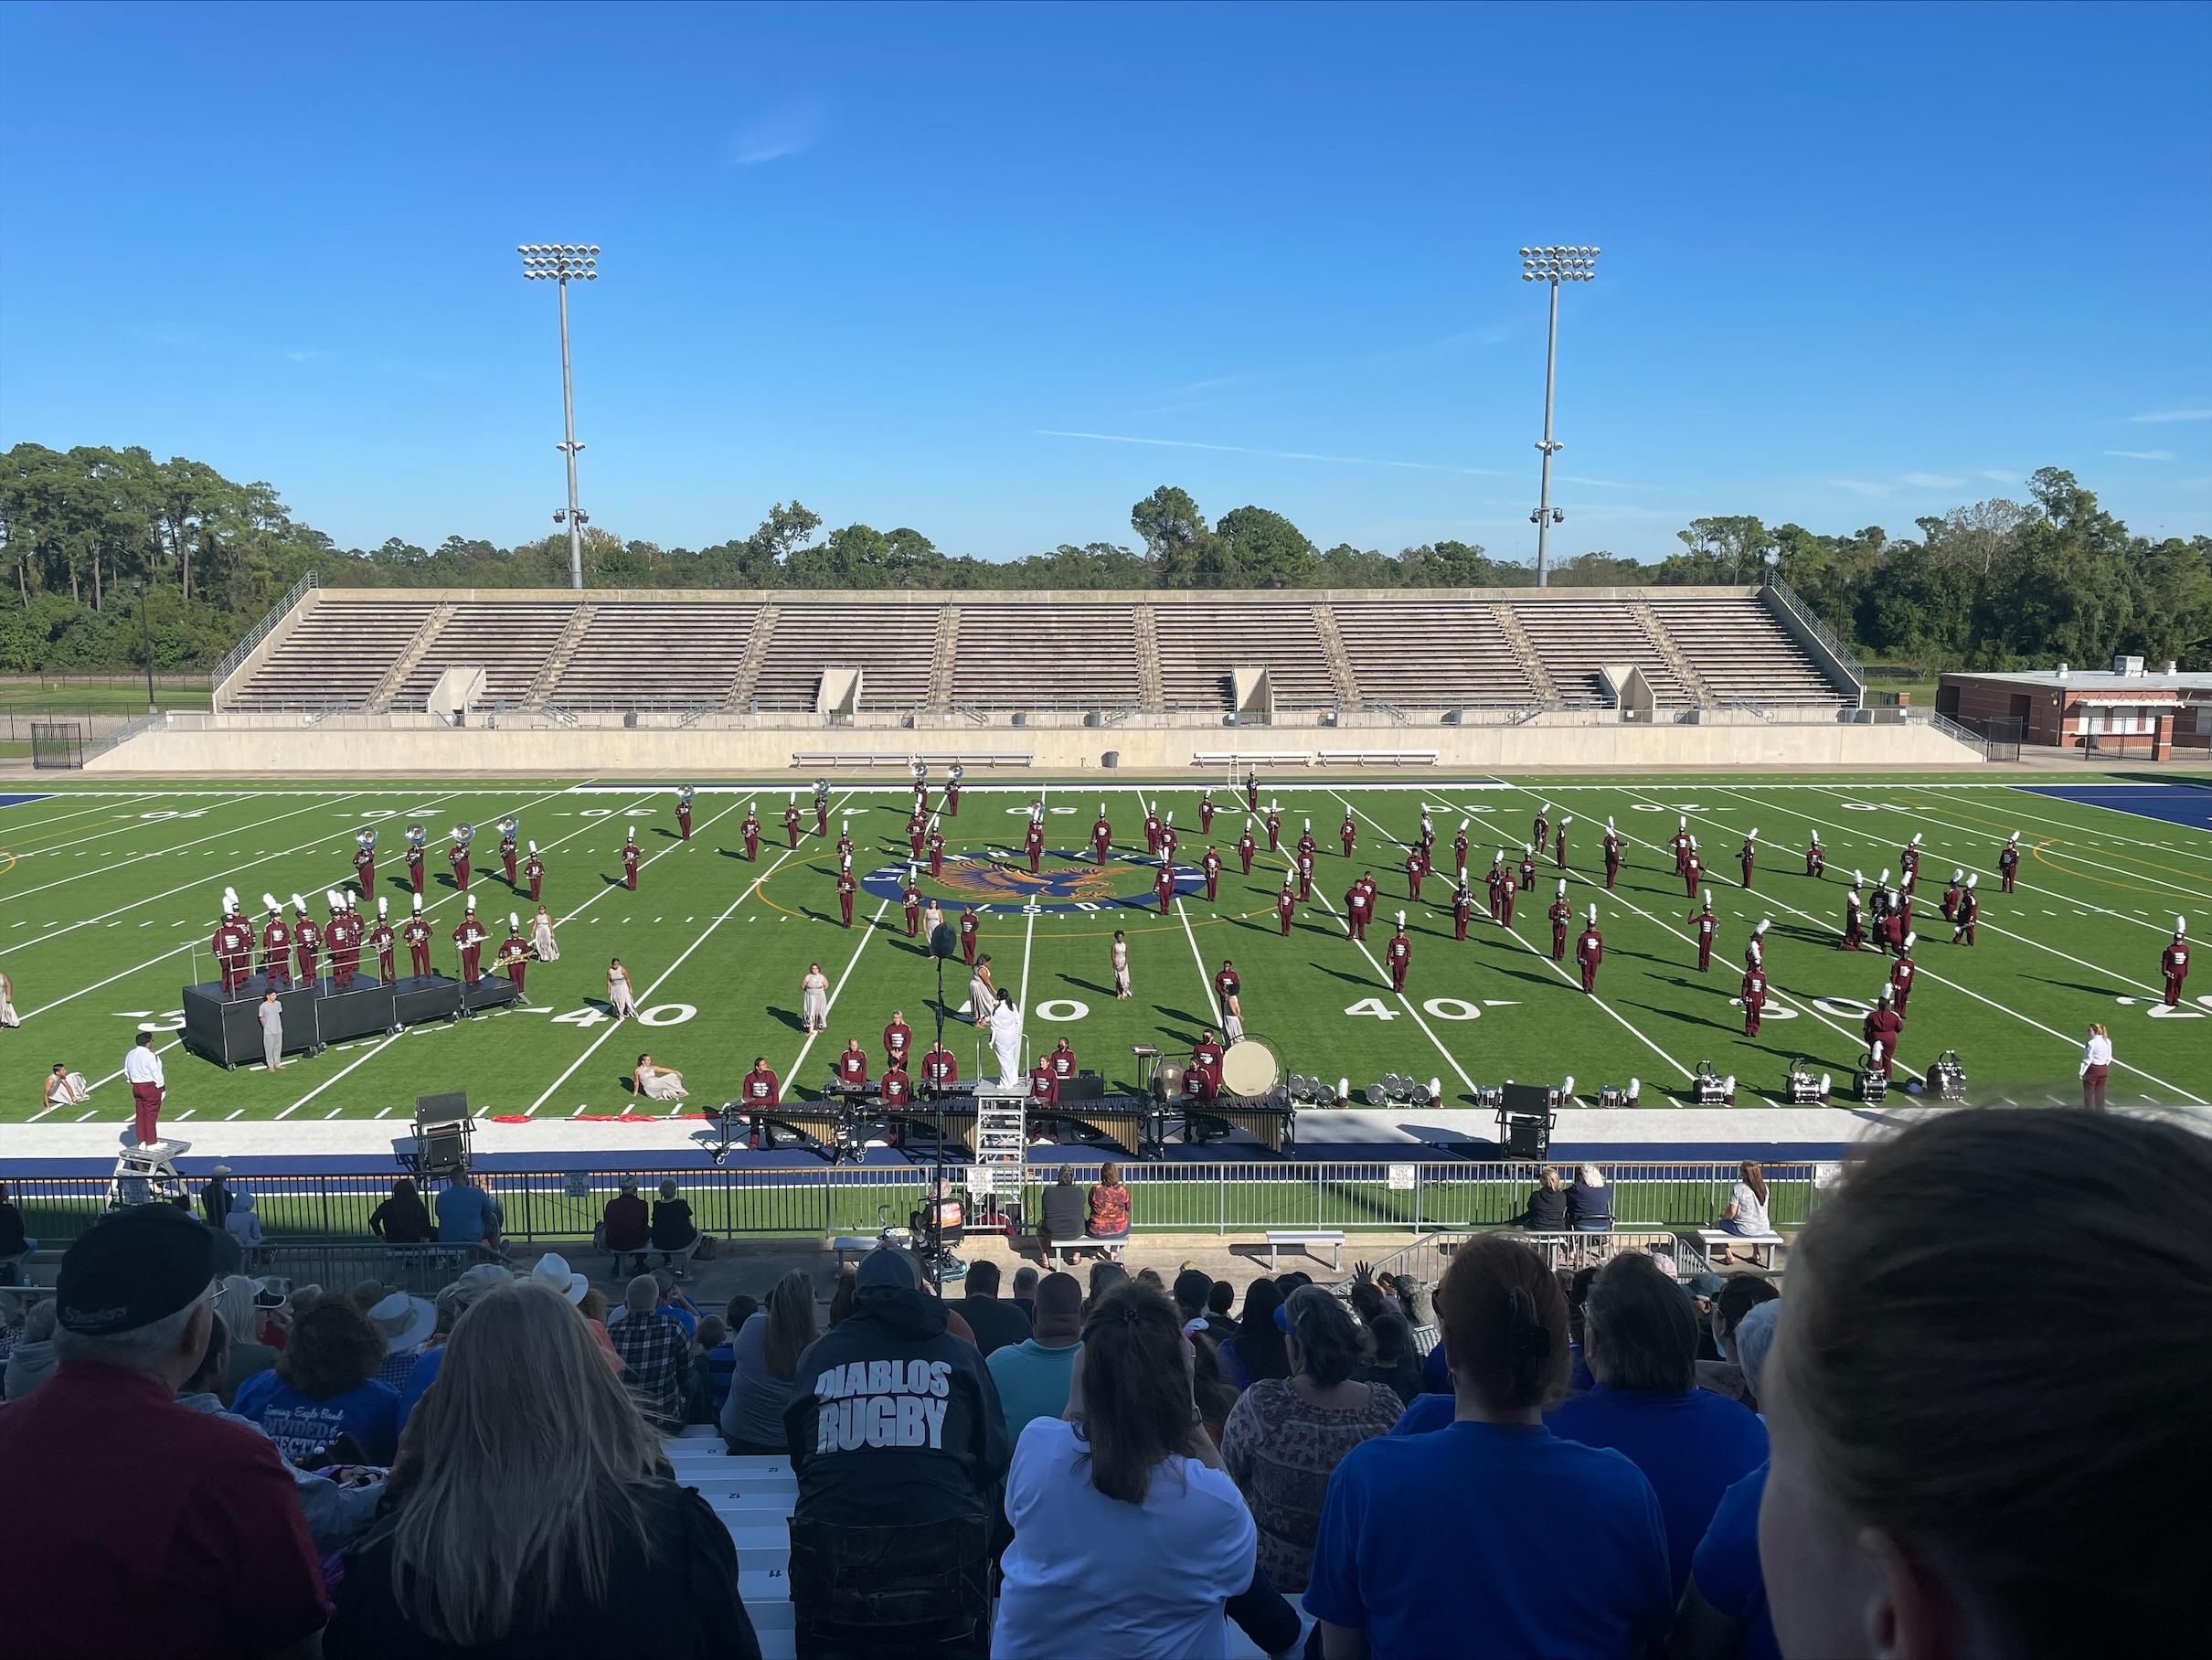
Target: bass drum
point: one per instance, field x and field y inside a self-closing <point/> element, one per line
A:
<point x="1250" y="1069"/>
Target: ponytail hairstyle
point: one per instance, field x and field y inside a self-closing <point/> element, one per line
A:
<point x="1138" y="1407"/>
<point x="1504" y="1323"/>
<point x="1936" y="1346"/>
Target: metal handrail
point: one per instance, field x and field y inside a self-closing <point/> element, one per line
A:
<point x="244" y="648"/>
<point x="1812" y="620"/>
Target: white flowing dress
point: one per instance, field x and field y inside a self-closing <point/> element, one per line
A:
<point x="541" y="940"/>
<point x="1007" y="1043"/>
<point x="814" y="1002"/>
<point x="659" y="1085"/>
<point x="619" y="999"/>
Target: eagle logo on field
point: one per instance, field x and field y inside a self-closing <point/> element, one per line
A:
<point x="980" y="881"/>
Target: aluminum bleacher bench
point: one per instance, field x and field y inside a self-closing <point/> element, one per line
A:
<point x="1361" y="758"/>
<point x="1083" y="1242"/>
<point x="804" y="757"/>
<point x="1708" y="1237"/>
<point x="853" y="1245"/>
<point x="1234" y="757"/>
<point x="1305" y="1238"/>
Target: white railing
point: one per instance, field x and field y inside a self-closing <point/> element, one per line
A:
<point x="244" y="648"/>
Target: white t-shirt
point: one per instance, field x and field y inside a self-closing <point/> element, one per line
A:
<point x="1089" y="1574"/>
<point x="1750" y="1212"/>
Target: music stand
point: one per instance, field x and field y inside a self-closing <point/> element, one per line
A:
<point x="443" y="1133"/>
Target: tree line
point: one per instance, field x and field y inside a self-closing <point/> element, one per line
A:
<point x="92" y="534"/>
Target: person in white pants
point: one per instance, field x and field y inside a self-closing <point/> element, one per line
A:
<point x="1006" y="1041"/>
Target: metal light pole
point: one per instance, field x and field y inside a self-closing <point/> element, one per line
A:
<point x="1554" y="266"/>
<point x="559" y="263"/>
<point x="145" y="630"/>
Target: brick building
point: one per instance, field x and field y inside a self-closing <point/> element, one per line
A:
<point x="2126" y="708"/>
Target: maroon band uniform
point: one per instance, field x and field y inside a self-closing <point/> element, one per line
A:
<point x="897" y="1043"/>
<point x="1613" y="858"/>
<point x="2173" y="963"/>
<point x="380" y="938"/>
<point x="1205" y="813"/>
<point x="1164" y="886"/>
<point x="458" y="856"/>
<point x="2008" y="867"/>
<point x="1884" y="1026"/>
<point x="507" y="856"/>
<point x="1707" y="926"/>
<point x="276" y="951"/>
<point x="1900" y="985"/>
<point x="1286" y="907"/>
<point x="1345" y="833"/>
<point x="1274" y="832"/>
<point x="515" y="957"/>
<point x="845" y="888"/>
<point x="1355" y="911"/>
<point x="969" y="929"/>
<point x="1211" y="865"/>
<point x="683" y="823"/>
<point x="1399" y="956"/>
<point x="533" y="872"/>
<point x="365" y="869"/>
<point x="1754" y="1000"/>
<point x="1462" y="910"/>
<point x="469" y="936"/>
<point x="306" y="945"/>
<point x="750" y="831"/>
<point x="1562" y="919"/>
<point x="1101" y="840"/>
<point x="1246" y="847"/>
<point x="790" y="823"/>
<point x="233" y="946"/>
<point x="416" y="934"/>
<point x="1589" y="950"/>
<point x="414" y="867"/>
<point x="937" y="853"/>
<point x="912" y="901"/>
<point x="629" y="852"/>
<point x="1747" y="857"/>
<point x="1505" y="890"/>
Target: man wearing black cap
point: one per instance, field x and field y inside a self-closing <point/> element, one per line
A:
<point x="899" y="1441"/>
<point x="167" y="1531"/>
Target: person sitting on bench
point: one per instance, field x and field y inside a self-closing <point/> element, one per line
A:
<point x="625" y="1225"/>
<point x="1065" y="1209"/>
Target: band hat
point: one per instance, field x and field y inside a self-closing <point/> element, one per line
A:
<point x="406" y="1322"/>
<point x="299" y="904"/>
<point x="552" y="1270"/>
<point x="383" y="906"/>
<point x="884" y="1268"/>
<point x="132" y="1268"/>
<point x="270" y="899"/>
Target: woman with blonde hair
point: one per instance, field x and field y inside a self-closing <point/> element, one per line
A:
<point x="1747" y="1213"/>
<point x="766" y="1353"/>
<point x="530" y="1511"/>
<point x="2096" y="1062"/>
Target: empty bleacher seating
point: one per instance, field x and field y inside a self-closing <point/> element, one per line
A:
<point x="1200" y="643"/>
<point x="1432" y="654"/>
<point x="335" y="657"/>
<point x="1030" y="656"/>
<point x="647" y="654"/>
<point x="1575" y="638"/>
<point x="509" y="639"/>
<point x="892" y="644"/>
<point x="1741" y="652"/>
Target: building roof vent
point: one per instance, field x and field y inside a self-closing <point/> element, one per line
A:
<point x="2129" y="666"/>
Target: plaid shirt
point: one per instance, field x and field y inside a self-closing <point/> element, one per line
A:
<point x="657" y="1353"/>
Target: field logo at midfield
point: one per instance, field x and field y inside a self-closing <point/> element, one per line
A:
<point x="982" y="882"/>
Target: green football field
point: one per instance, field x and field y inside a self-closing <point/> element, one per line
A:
<point x="109" y="895"/>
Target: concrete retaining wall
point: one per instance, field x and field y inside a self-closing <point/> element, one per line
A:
<point x="698" y="753"/>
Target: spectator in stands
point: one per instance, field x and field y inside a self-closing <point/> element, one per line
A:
<point x="1024" y="1296"/>
<point x="1193" y="1287"/>
<point x="324" y="1385"/>
<point x="842" y="1299"/>
<point x="1547" y="1210"/>
<point x="996" y="1323"/>
<point x="1104" y="1277"/>
<point x="1747" y="1211"/>
<point x="626" y="1228"/>
<point x="722" y="1360"/>
<point x="764" y="1358"/>
<point x="1215" y="1396"/>
<point x="406" y="1324"/>
<point x="1395" y="1365"/>
<point x="1257" y="1350"/>
<point x="1590" y="1204"/>
<point x="1032" y="1375"/>
<point x="1512" y="1490"/>
<point x="1724" y="1614"/>
<point x="898" y="1442"/>
<point x="136" y="1525"/>
<point x="13" y="1306"/>
<point x="403" y="1219"/>
<point x="1577" y="1310"/>
<point x="454" y="1302"/>
<point x="32" y="1360"/>
<point x="1126" y="1528"/>
<point x="1063" y="1212"/>
<point x="15" y="1244"/>
<point x="611" y="1541"/>
<point x="336" y="1511"/>
<point x="1286" y="1435"/>
<point x="464" y="1213"/>
<point x="1220" y="1324"/>
<point x="673" y="1233"/>
<point x="1943" y="1470"/>
<point x="656" y="1350"/>
<point x="215" y="1198"/>
<point x="1740" y="1294"/>
<point x="1109" y="1206"/>
<point x="243" y="1224"/>
<point x="1641" y="1338"/>
<point x="239" y="1305"/>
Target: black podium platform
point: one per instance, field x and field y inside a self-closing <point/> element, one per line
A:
<point x="228" y="1029"/>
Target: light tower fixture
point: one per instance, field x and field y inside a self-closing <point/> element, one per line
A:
<point x="565" y="263"/>
<point x="1554" y="266"/>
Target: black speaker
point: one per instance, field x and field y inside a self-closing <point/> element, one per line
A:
<point x="1528" y="1098"/>
<point x="437" y="1111"/>
<point x="441" y="1149"/>
<point x="1528" y="1137"/>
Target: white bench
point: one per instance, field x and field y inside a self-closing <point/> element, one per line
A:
<point x="1305" y="1238"/>
<point x="1360" y="757"/>
<point x="1237" y="757"/>
<point x="825" y="760"/>
<point x="853" y="1245"/>
<point x="1110" y="1248"/>
<point x="1710" y="1238"/>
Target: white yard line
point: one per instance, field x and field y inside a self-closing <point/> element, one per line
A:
<point x="2135" y="819"/>
<point x="15" y="828"/>
<point x="141" y="823"/>
<point x="1205" y="979"/>
<point x="80" y="991"/>
<point x="322" y="804"/>
<point x="836" y="990"/>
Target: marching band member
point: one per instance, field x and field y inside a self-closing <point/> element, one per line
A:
<point x="1347" y="832"/>
<point x="1497" y="880"/>
<point x="1589" y="952"/>
<point x="1542" y="828"/>
<point x="1680" y="842"/>
<point x="1306" y="843"/>
<point x="1951" y="894"/>
<point x="1227" y="984"/>
<point x="1286" y="906"/>
<point x="921" y="790"/>
<point x="1355" y="911"/>
<point x="791" y="817"/>
<point x="416" y="837"/>
<point x="761" y="1088"/>
<point x="1163" y="885"/>
<point x="470" y="936"/>
<point x="2008" y="863"/>
<point x="1251" y="789"/>
<point x="416" y="932"/>
<point x="940" y="1070"/>
<point x="233" y="947"/>
<point x="1206" y="812"/>
<point x="897" y="1040"/>
<point x="340" y="940"/>
<point x="1558" y="841"/>
<point x="508" y="827"/>
<point x="533" y="872"/>
<point x="1274" y="826"/>
<point x="952" y="790"/>
<point x="1417" y="866"/>
<point x="935" y="844"/>
<point x="276" y="945"/>
<point x="1506" y="887"/>
<point x="1755" y="948"/>
<point x="380" y="938"/>
<point x="1816" y="860"/>
<point x="2174" y="962"/>
<point x="514" y="952"/>
<point x="1463" y="908"/>
<point x="749" y="828"/>
<point x="1210" y="863"/>
<point x="1748" y="856"/>
<point x="630" y="857"/>
<point x="543" y="946"/>
<point x="1427" y="832"/>
<point x="1033" y="842"/>
<point x="1168" y="841"/>
<point x="1612" y="854"/>
<point x="912" y="900"/>
<point x="1304" y="865"/>
<point x="1754" y="992"/>
<point x="1708" y="927"/>
<point x="1528" y="869"/>
<point x="1692" y="869"/>
<point x="1908" y="865"/>
<point x="682" y="813"/>
<point x="1247" y="847"/>
<point x="1459" y="853"/>
<point x="1854" y="930"/>
<point x="458" y="855"/>
<point x="970" y="928"/>
<point x="1398" y="956"/>
<point x="1562" y="919"/>
<point x="918" y="829"/>
<point x="847" y="888"/>
<point x="1152" y="831"/>
<point x="1101" y="835"/>
<point x="1900" y="979"/>
<point x="822" y="807"/>
<point x="365" y="860"/>
<point x="1881" y="1031"/>
<point x="1205" y="1065"/>
<point x="1970" y="910"/>
<point x="1062" y="1061"/>
<point x="1117" y="963"/>
<point x="844" y="836"/>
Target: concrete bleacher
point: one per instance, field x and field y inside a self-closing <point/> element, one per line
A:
<point x="1435" y="653"/>
<point x="892" y="644"/>
<point x="335" y="657"/>
<point x="510" y="642"/>
<point x="1028" y="656"/>
<point x="1575" y="638"/>
<point x="1741" y="652"/>
<point x="1199" y="644"/>
<point x="643" y="655"/>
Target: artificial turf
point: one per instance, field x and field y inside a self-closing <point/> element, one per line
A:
<point x="107" y="891"/>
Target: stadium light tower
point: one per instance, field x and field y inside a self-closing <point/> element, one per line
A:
<point x="561" y="263"/>
<point x="1554" y="266"/>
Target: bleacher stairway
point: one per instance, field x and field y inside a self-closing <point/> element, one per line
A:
<point x="388" y="688"/>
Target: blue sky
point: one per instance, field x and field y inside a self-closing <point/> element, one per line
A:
<point x="997" y="272"/>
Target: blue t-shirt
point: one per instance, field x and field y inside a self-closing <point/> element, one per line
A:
<point x="1694" y="1446"/>
<point x="299" y="1424"/>
<point x="1436" y="1373"/>
<point x="1493" y="1579"/>
<point x="1726" y="1569"/>
<point x="418" y="1381"/>
<point x="465" y="1216"/>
